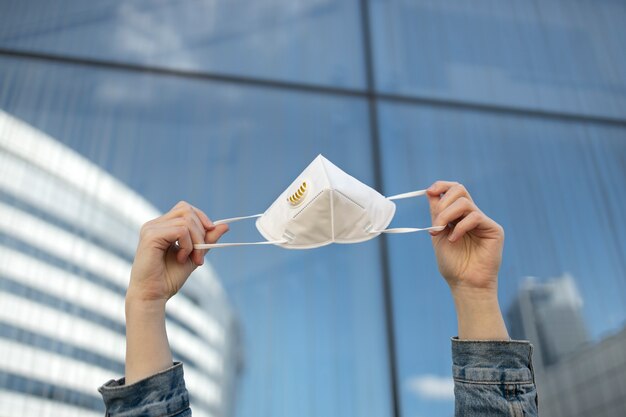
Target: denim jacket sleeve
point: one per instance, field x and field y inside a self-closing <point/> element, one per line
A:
<point x="490" y="379"/>
<point x="493" y="378"/>
<point x="163" y="394"/>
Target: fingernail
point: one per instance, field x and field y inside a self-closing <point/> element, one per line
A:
<point x="451" y="238"/>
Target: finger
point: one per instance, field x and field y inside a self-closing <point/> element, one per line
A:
<point x="165" y="235"/>
<point x="160" y="235"/>
<point x="206" y="222"/>
<point x="168" y="232"/>
<point x="179" y="210"/>
<point x="185" y="245"/>
<point x="454" y="213"/>
<point x="212" y="236"/>
<point x="189" y="216"/>
<point x="197" y="231"/>
<point x="440" y="187"/>
<point x="454" y="193"/>
<point x="182" y="208"/>
<point x="434" y="193"/>
<point x="466" y="225"/>
<point x="184" y="214"/>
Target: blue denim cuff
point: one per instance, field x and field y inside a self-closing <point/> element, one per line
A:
<point x="490" y="362"/>
<point x="162" y="394"/>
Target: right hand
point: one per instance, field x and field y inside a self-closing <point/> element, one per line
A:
<point x="469" y="250"/>
<point x="469" y="253"/>
<point x="161" y="267"/>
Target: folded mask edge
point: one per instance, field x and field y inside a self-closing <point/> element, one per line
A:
<point x="262" y="231"/>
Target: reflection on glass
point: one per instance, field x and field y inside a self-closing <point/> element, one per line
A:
<point x="62" y="284"/>
<point x="559" y="55"/>
<point x="315" y="41"/>
<point x="311" y="321"/>
<point x="557" y="188"/>
<point x="549" y="314"/>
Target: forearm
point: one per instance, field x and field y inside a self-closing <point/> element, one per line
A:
<point x="492" y="374"/>
<point x="478" y="315"/>
<point x="154" y="385"/>
<point x="147" y="348"/>
<point x="165" y="258"/>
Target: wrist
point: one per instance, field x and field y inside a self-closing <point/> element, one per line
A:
<point x="478" y="314"/>
<point x="474" y="296"/>
<point x="138" y="306"/>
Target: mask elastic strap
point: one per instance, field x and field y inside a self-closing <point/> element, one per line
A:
<point x="410" y="194"/>
<point x="407" y="195"/>
<point x="225" y="245"/>
<point x="236" y="219"/>
<point x="409" y="229"/>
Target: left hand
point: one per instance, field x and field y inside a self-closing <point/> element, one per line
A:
<point x="161" y="267"/>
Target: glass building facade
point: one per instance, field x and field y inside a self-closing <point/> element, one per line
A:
<point x="68" y="231"/>
<point x="223" y="103"/>
<point x="578" y="376"/>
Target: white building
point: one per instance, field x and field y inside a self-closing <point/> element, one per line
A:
<point x="68" y="231"/>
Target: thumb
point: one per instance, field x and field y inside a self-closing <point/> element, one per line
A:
<point x="433" y="195"/>
<point x="433" y="198"/>
<point x="432" y="202"/>
<point x="212" y="236"/>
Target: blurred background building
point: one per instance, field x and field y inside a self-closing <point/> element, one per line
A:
<point x="68" y="231"/>
<point x="550" y="316"/>
<point x="589" y="382"/>
<point x="223" y="103"/>
<point x="574" y="376"/>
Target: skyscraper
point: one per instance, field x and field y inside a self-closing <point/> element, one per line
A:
<point x="575" y="378"/>
<point x="68" y="231"/>
<point x="590" y="382"/>
<point x="549" y="315"/>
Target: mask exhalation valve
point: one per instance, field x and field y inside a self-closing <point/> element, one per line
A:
<point x="296" y="198"/>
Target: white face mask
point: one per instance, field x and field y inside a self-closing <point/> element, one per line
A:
<point x="324" y="205"/>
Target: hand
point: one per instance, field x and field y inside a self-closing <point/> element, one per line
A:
<point x="161" y="267"/>
<point x="469" y="251"/>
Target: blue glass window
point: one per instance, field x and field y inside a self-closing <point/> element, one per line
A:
<point x="558" y="55"/>
<point x="312" y="323"/>
<point x="316" y="41"/>
<point x="223" y="103"/>
<point x="556" y="187"/>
